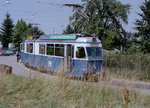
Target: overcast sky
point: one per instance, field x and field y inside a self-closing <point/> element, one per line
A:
<point x="51" y="15"/>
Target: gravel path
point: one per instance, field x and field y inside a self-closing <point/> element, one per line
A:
<point x="20" y="70"/>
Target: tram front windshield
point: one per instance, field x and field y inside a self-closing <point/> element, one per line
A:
<point x="94" y="52"/>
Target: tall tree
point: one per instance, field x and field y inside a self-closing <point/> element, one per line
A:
<point x="143" y="27"/>
<point x="105" y="20"/>
<point x="20" y="32"/>
<point x="69" y="30"/>
<point x="6" y="31"/>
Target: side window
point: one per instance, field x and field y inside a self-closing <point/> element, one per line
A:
<point x="68" y="50"/>
<point x="23" y="45"/>
<point x="30" y="48"/>
<point x="42" y="49"/>
<point x="28" y="45"/>
<point x="72" y="51"/>
<point x="59" y="50"/>
<point x="80" y="53"/>
<point x="50" y="49"/>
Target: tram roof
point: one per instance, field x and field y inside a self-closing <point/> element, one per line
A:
<point x="64" y="38"/>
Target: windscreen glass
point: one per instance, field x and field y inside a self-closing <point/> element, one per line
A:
<point x="94" y="52"/>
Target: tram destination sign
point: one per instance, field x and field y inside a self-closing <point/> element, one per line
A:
<point x="58" y="37"/>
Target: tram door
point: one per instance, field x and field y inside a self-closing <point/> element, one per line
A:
<point x="68" y="58"/>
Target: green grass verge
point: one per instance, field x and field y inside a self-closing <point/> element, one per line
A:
<point x="60" y="93"/>
<point x="135" y="67"/>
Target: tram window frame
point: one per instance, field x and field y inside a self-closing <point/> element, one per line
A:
<point x="78" y="54"/>
<point x="42" y="51"/>
<point x="30" y="47"/>
<point x="51" y="48"/>
<point x="59" y="50"/>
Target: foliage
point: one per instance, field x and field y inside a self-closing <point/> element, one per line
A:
<point x="0" y="37"/>
<point x="132" y="46"/>
<point x="42" y="92"/>
<point x="143" y="27"/>
<point x="105" y="20"/>
<point x="6" y="31"/>
<point x="22" y="30"/>
<point x="34" y="30"/>
<point x="69" y="30"/>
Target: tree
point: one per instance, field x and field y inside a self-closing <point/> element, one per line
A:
<point x="69" y="30"/>
<point x="105" y="20"/>
<point x="143" y="27"/>
<point x="20" y="32"/>
<point x="0" y="37"/>
<point x="34" y="30"/>
<point x="6" y="31"/>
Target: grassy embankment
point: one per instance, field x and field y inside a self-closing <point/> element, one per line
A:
<point x="60" y="93"/>
<point x="136" y="67"/>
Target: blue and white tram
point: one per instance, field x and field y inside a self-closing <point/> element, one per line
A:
<point x="75" y="55"/>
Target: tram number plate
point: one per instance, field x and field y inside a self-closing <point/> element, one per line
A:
<point x="49" y="64"/>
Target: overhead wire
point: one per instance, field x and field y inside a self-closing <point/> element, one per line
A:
<point x="36" y="13"/>
<point x="40" y="11"/>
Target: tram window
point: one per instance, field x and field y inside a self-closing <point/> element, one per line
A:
<point x="50" y="49"/>
<point x="94" y="52"/>
<point x="80" y="53"/>
<point x="72" y="51"/>
<point x="59" y="50"/>
<point x="69" y="50"/>
<point x="23" y="46"/>
<point x="30" y="48"/>
<point x="41" y="49"/>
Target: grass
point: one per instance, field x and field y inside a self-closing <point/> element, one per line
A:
<point x="135" y="67"/>
<point x="16" y="92"/>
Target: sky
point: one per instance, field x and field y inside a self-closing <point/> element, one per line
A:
<point x="51" y="16"/>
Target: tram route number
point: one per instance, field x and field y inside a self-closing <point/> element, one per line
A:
<point x="49" y="63"/>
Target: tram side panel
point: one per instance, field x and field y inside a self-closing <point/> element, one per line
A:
<point x="53" y="64"/>
<point x="94" y="66"/>
<point x="28" y="59"/>
<point x="79" y="67"/>
<point x="82" y="67"/>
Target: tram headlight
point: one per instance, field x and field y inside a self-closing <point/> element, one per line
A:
<point x="94" y="39"/>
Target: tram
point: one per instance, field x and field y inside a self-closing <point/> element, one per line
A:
<point x="74" y="55"/>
